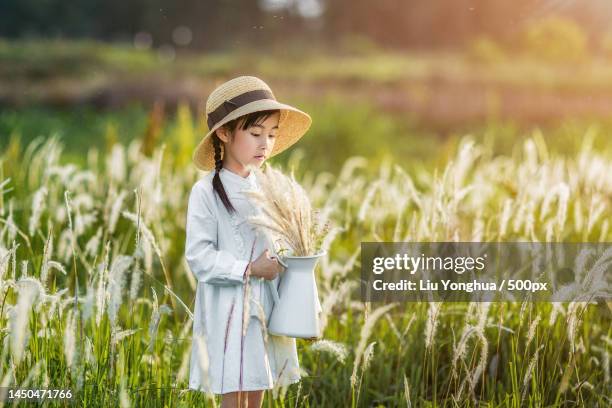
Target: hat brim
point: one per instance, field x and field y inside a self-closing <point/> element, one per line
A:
<point x="292" y="125"/>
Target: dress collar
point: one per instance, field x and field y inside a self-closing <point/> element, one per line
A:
<point x="232" y="179"/>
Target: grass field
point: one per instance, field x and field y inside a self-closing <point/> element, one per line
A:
<point x="96" y="296"/>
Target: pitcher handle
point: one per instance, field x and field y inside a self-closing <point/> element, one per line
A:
<point x="271" y="283"/>
<point x="274" y="291"/>
<point x="280" y="261"/>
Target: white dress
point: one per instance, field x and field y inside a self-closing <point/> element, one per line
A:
<point x="217" y="248"/>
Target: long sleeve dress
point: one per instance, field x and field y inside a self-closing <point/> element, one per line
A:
<point x="217" y="248"/>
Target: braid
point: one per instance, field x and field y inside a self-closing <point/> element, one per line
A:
<point x="218" y="160"/>
<point x="217" y="184"/>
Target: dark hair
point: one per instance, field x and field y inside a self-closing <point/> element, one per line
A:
<point x="248" y="120"/>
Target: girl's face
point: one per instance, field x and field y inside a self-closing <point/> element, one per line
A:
<point x="250" y="147"/>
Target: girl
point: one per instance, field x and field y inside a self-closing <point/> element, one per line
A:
<point x="232" y="354"/>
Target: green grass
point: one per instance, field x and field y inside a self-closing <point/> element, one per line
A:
<point x="339" y="131"/>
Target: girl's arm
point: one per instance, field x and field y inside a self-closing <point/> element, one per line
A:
<point x="208" y="264"/>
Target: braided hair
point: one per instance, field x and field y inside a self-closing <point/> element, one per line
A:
<point x="217" y="184"/>
<point x="249" y="120"/>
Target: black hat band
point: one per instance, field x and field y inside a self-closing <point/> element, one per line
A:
<point x="230" y="105"/>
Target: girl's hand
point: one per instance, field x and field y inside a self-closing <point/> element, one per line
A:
<point x="265" y="266"/>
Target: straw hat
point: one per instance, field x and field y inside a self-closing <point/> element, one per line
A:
<point x="242" y="95"/>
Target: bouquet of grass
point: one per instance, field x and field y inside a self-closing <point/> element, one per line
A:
<point x="287" y="214"/>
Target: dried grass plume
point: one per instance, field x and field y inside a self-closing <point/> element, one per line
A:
<point x="286" y="212"/>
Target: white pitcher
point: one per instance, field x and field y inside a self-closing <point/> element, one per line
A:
<point x="296" y="303"/>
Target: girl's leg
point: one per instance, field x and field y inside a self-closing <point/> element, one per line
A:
<point x="255" y="398"/>
<point x="231" y="399"/>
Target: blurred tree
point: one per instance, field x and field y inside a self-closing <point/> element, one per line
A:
<point x="222" y="24"/>
<point x="214" y="23"/>
<point x="431" y="23"/>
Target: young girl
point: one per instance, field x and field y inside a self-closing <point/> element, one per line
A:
<point x="232" y="354"/>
